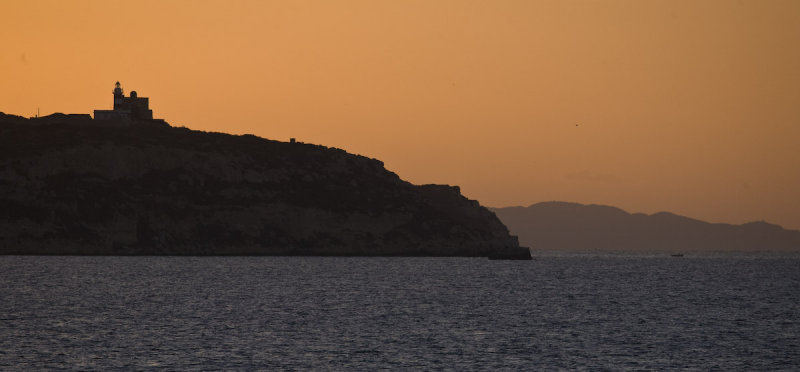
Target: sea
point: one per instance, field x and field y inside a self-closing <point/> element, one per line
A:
<point x="557" y="312"/>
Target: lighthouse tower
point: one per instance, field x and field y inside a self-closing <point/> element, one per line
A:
<point x="118" y="96"/>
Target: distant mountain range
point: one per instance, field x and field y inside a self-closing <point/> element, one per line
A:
<point x="578" y="227"/>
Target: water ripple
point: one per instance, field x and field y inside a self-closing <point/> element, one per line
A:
<point x="244" y="313"/>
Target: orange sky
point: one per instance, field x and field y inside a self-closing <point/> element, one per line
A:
<point x="680" y="105"/>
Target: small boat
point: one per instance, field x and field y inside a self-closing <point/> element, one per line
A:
<point x="677" y="255"/>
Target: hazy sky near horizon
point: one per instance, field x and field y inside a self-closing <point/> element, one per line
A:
<point x="687" y="106"/>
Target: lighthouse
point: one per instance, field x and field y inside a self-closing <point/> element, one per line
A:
<point x="118" y="96"/>
<point x="126" y="108"/>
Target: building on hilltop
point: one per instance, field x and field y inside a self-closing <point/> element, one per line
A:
<point x="126" y="108"/>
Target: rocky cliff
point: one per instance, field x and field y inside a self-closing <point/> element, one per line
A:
<point x="578" y="227"/>
<point x="70" y="185"/>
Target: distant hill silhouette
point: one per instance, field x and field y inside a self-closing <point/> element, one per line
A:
<point x="578" y="227"/>
<point x="73" y="185"/>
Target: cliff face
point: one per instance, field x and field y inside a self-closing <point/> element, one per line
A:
<point x="577" y="227"/>
<point x="71" y="186"/>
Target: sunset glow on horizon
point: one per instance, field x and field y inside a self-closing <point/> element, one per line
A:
<point x="682" y="106"/>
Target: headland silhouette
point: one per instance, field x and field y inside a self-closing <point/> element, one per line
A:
<point x="124" y="184"/>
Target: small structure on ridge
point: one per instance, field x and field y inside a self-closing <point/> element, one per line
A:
<point x="126" y="108"/>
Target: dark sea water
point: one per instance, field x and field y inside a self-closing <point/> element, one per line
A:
<point x="613" y="312"/>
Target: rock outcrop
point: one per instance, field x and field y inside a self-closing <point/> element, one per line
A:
<point x="71" y="186"/>
<point x="578" y="227"/>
